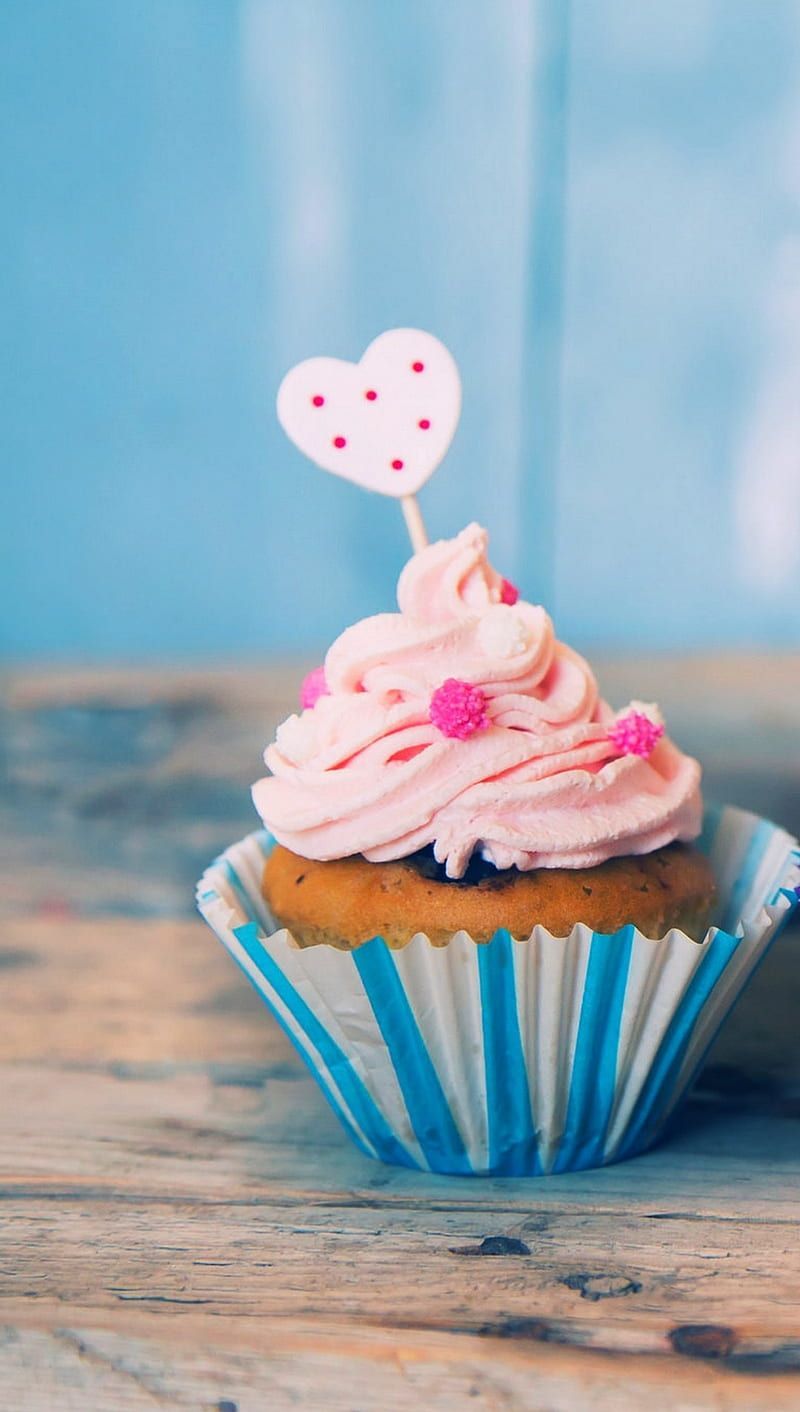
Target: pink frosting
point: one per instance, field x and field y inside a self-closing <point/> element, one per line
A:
<point x="544" y="785"/>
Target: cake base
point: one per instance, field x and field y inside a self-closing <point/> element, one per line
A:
<point x="348" y="901"/>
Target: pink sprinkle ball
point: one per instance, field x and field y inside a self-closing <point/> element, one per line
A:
<point x="635" y="734"/>
<point x="458" y="709"/>
<point x="509" y="593"/>
<point x="313" y="687"/>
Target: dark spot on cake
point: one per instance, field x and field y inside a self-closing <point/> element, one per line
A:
<point x="587" y="890"/>
<point x="479" y="873"/>
<point x="644" y="888"/>
<point x="496" y="883"/>
<point x="301" y="878"/>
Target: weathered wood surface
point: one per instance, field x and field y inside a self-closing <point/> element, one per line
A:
<point x="182" y="1223"/>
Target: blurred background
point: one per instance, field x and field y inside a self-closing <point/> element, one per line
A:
<point x="595" y="204"/>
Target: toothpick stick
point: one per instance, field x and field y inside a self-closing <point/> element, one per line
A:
<point x="414" y="522"/>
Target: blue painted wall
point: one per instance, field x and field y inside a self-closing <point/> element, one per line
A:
<point x="597" y="206"/>
<point x="678" y="479"/>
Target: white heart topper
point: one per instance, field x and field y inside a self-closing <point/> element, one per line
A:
<point x="385" y="422"/>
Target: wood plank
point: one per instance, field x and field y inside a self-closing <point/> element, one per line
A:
<point x="246" y="1365"/>
<point x="480" y="1271"/>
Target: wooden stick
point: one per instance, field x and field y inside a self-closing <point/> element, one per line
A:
<point x="414" y="522"/>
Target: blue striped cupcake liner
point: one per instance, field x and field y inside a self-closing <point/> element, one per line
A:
<point x="514" y="1057"/>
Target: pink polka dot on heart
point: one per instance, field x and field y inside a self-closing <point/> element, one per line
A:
<point x="318" y="401"/>
<point x="339" y="442"/>
<point x="397" y="464"/>
<point x="417" y="367"/>
<point x="423" y="424"/>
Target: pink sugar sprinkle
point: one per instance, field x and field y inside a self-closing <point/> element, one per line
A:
<point x="314" y="686"/>
<point x="635" y="734"/>
<point x="458" y="709"/>
<point x="509" y="593"/>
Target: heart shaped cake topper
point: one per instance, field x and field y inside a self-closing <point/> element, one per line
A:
<point x="384" y="423"/>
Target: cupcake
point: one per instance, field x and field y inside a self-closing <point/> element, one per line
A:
<point x="455" y="769"/>
<point x="491" y="913"/>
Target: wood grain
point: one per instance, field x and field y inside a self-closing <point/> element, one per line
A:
<point x="184" y="1225"/>
<point x="211" y="1365"/>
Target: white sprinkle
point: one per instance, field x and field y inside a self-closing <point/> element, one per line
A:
<point x="650" y="709"/>
<point x="294" y="739"/>
<point x="502" y="632"/>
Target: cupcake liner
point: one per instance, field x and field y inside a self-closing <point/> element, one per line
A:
<point x="512" y="1057"/>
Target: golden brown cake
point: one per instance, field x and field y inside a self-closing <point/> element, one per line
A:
<point x="348" y="901"/>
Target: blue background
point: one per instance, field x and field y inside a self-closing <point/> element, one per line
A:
<point x="596" y="205"/>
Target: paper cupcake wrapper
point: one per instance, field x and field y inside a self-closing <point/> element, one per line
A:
<point x="512" y="1058"/>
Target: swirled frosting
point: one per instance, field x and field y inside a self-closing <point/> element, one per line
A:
<point x="366" y="771"/>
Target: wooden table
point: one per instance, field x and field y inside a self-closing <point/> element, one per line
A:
<point x="185" y="1226"/>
